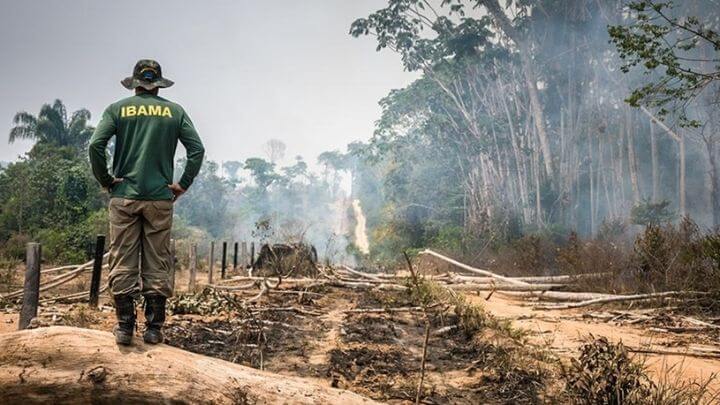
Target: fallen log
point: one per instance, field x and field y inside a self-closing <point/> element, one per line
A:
<point x="532" y="279"/>
<point x="61" y="268"/>
<point x="456" y="277"/>
<point x="83" y="366"/>
<point x="555" y="295"/>
<point x="687" y="353"/>
<point x="503" y="287"/>
<point x="472" y="269"/>
<point x="311" y="282"/>
<point x="359" y="285"/>
<point x="621" y="298"/>
<point x="361" y="274"/>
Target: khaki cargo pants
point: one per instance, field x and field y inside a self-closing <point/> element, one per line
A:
<point x="140" y="257"/>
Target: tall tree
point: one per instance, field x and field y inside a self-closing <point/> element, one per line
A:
<point x="52" y="126"/>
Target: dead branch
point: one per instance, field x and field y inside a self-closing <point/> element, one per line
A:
<point x="422" y="362"/>
<point x="555" y="295"/>
<point x="503" y="287"/>
<point x="382" y="310"/>
<point x="621" y="298"/>
<point x="444" y="330"/>
<point x="247" y="286"/>
<point x="61" y="268"/>
<point x="472" y="269"/>
<point x="700" y="323"/>
<point x="362" y="274"/>
<point x="539" y="279"/>
<point x="263" y="290"/>
<point x="687" y="353"/>
<point x="56" y="281"/>
<point x="286" y="309"/>
<point x="362" y="285"/>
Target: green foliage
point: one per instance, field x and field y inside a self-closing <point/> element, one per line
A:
<point x="50" y="195"/>
<point x="52" y="127"/>
<point x="675" y="51"/>
<point x="449" y="238"/>
<point x="206" y="206"/>
<point x="262" y="172"/>
<point x="652" y="253"/>
<point x="649" y="213"/>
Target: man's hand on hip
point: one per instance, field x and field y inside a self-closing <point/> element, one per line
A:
<point x="176" y="190"/>
<point x="115" y="181"/>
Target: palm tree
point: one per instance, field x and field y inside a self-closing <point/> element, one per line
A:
<point x="51" y="126"/>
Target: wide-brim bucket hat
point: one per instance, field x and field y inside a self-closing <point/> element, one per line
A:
<point x="148" y="75"/>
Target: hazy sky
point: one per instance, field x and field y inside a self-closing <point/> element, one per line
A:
<point x="246" y="71"/>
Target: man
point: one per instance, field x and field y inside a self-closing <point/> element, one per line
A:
<point x="147" y="129"/>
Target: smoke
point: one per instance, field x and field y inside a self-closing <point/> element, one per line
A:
<point x="467" y="153"/>
<point x="291" y="204"/>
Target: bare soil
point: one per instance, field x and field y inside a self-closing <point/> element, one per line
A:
<point x="379" y="354"/>
<point x="564" y="331"/>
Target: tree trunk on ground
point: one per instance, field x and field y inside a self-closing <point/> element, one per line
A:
<point x="73" y="365"/>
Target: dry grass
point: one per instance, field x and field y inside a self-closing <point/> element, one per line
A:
<point x="80" y="316"/>
<point x="9" y="274"/>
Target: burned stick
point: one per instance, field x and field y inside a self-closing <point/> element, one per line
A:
<point x="416" y="283"/>
<point x="383" y="310"/>
<point x="422" y="364"/>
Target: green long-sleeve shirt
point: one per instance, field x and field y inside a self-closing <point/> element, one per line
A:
<point x="147" y="129"/>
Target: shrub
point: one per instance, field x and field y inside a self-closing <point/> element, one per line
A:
<point x="449" y="238"/>
<point x="604" y="373"/>
<point x="15" y="246"/>
<point x="650" y="213"/>
<point x="653" y="255"/>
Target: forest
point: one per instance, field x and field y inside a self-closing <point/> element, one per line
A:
<point x="540" y="118"/>
<point x="541" y="141"/>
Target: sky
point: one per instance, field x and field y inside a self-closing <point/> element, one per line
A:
<point x="245" y="71"/>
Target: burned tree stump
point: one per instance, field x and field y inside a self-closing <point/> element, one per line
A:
<point x="283" y="260"/>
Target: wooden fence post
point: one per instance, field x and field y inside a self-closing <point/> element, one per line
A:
<point x="193" y="267"/>
<point x="97" y="271"/>
<point x="252" y="254"/>
<point x="223" y="261"/>
<point x="173" y="262"/>
<point x="235" y="256"/>
<point x="31" y="288"/>
<point x="243" y="254"/>
<point x="212" y="262"/>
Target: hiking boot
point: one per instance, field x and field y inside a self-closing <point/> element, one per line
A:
<point x="125" y="313"/>
<point x="154" y="318"/>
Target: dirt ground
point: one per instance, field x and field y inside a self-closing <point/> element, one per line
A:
<point x="563" y="331"/>
<point x="311" y="334"/>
